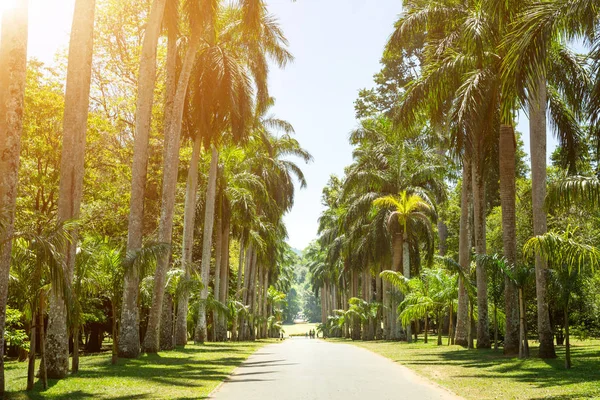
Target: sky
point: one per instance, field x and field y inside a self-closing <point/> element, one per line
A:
<point x="337" y="45"/>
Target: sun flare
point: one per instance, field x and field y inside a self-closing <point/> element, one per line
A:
<point x="7" y="5"/>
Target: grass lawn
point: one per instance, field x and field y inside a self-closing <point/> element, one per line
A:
<point x="298" y="329"/>
<point x="487" y="374"/>
<point x="190" y="373"/>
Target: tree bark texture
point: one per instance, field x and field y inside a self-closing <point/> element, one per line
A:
<point x="13" y="70"/>
<point x="77" y="94"/>
<point x="464" y="259"/>
<point x="508" y="194"/>
<point x="537" y="139"/>
<point x="129" y="333"/>
<point x="483" y="329"/>
<point x="209" y="219"/>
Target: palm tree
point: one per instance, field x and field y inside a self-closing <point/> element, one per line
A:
<point x="13" y="68"/>
<point x="79" y="72"/>
<point x="568" y="258"/>
<point x="202" y="17"/>
<point x="232" y="59"/>
<point x="129" y="340"/>
<point x="409" y="213"/>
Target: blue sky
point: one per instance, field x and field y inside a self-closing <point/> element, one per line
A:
<point x="337" y="45"/>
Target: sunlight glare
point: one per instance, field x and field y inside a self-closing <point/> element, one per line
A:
<point x="6" y="5"/>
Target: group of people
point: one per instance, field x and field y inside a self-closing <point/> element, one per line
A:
<point x="312" y="334"/>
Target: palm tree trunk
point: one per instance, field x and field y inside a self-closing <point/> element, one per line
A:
<point x="218" y="255"/>
<point x="224" y="276"/>
<point x="189" y="220"/>
<point x="406" y="273"/>
<point x="462" y="313"/>
<point x="32" y="351"/>
<point x="439" y="328"/>
<point x="379" y="294"/>
<point x="483" y="330"/>
<point x="166" y="323"/>
<point x="209" y="219"/>
<point x="567" y="338"/>
<point x="426" y="329"/>
<point x="451" y="324"/>
<point x="43" y="368"/>
<point x="537" y="132"/>
<point x="114" y="332"/>
<point x="234" y="324"/>
<point x="507" y="150"/>
<point x="75" y="361"/>
<point x="397" y="247"/>
<point x="13" y="70"/>
<point x="129" y="335"/>
<point x="522" y="337"/>
<point x="79" y="72"/>
<point x="471" y="323"/>
<point x="169" y="190"/>
<point x="252" y="297"/>
<point x="495" y="327"/>
<point x="171" y="93"/>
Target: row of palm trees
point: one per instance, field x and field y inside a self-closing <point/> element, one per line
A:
<point x="216" y="96"/>
<point x="479" y="63"/>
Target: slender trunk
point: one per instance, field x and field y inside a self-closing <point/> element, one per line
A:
<point x="129" y="335"/>
<point x="77" y="94"/>
<point x="483" y="330"/>
<point x="224" y="277"/>
<point x="169" y="190"/>
<point x="218" y="255"/>
<point x="522" y="337"/>
<point x="507" y="150"/>
<point x="471" y="323"/>
<point x="252" y="297"/>
<point x="189" y="220"/>
<point x="495" y="327"/>
<point x="234" y="323"/>
<point x="442" y="236"/>
<point x="426" y="329"/>
<point x="75" y="360"/>
<point x="462" y="313"/>
<point x="567" y="339"/>
<point x="13" y="70"/>
<point x="451" y="324"/>
<point x="439" y="329"/>
<point x="395" y="325"/>
<point x="115" y="351"/>
<point x="209" y="219"/>
<point x="406" y="273"/>
<point x="32" y="351"/>
<point x="537" y="132"/>
<point x="43" y="367"/>
<point x="379" y="294"/>
<point x="168" y="335"/>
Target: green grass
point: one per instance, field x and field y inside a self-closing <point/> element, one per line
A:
<point x="190" y="373"/>
<point x="298" y="329"/>
<point x="487" y="374"/>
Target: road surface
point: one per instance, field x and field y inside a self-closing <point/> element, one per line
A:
<point x="305" y="369"/>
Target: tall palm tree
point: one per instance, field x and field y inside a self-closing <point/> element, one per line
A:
<point x="77" y="97"/>
<point x="13" y="68"/>
<point x="202" y="19"/>
<point x="129" y="340"/>
<point x="408" y="214"/>
<point x="530" y="62"/>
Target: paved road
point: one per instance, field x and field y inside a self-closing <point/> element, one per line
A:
<point x="305" y="369"/>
